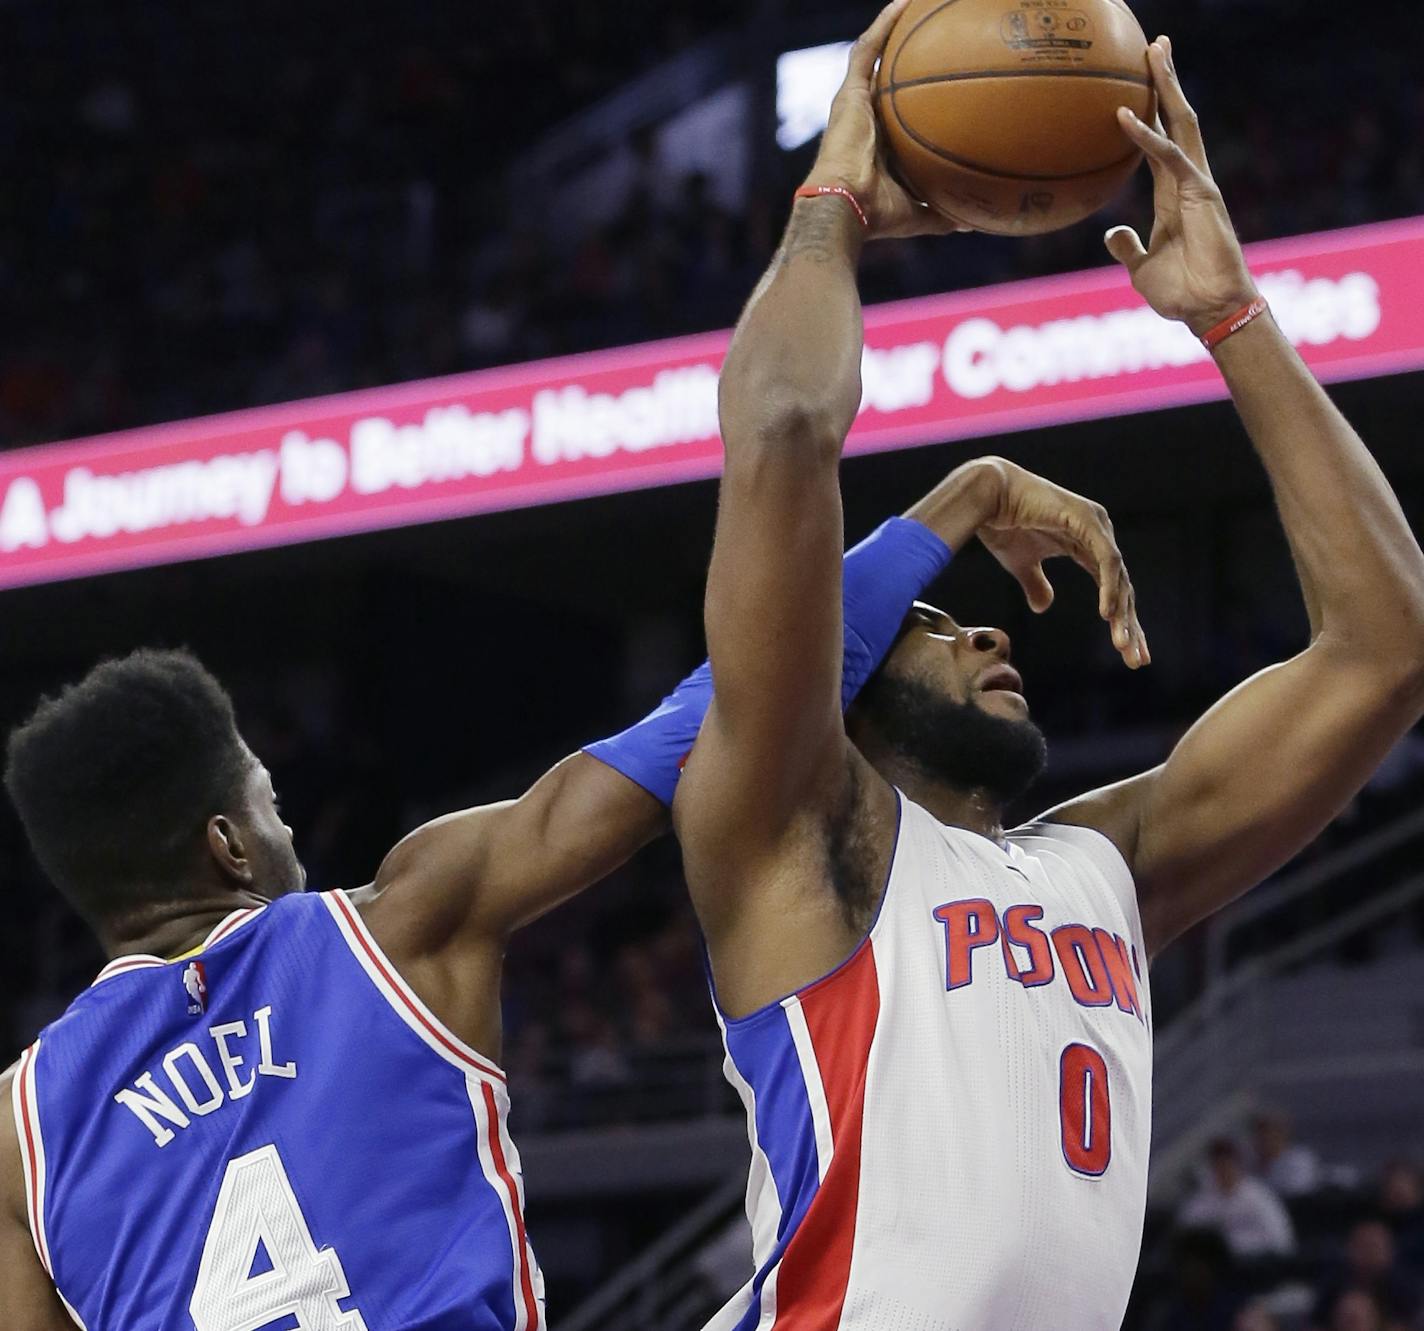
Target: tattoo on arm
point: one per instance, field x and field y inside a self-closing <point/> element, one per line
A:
<point x="814" y="231"/>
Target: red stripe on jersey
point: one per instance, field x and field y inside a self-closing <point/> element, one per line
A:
<point x="521" y="1242"/>
<point x="27" y="1114"/>
<point x="815" y="1270"/>
<point x="398" y="986"/>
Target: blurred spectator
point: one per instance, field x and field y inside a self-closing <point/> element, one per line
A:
<point x="1244" y="1210"/>
<point x="1357" y="1310"/>
<point x="1255" y="1316"/>
<point x="1290" y="1168"/>
<point x="1371" y="1268"/>
<point x="599" y="1061"/>
<point x="1401" y="1206"/>
<point x="1202" y="1296"/>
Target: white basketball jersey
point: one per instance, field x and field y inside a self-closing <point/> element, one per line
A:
<point x="950" y="1131"/>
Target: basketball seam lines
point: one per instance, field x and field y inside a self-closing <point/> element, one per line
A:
<point x="1112" y="76"/>
<point x="900" y="50"/>
<point x="890" y="85"/>
<point x="972" y="165"/>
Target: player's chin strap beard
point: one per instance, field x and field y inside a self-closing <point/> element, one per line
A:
<point x="956" y="744"/>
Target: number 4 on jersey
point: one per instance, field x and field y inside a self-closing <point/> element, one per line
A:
<point x="256" y="1206"/>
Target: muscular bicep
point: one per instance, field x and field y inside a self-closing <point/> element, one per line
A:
<point x="787" y="397"/>
<point x="486" y="871"/>
<point x="1257" y="778"/>
<point x="28" y="1301"/>
<point x="774" y="633"/>
<point x="773" y="610"/>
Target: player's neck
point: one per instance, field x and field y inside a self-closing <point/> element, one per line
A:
<point x="972" y="810"/>
<point x="169" y="929"/>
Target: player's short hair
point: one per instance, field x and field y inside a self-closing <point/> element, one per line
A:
<point x="116" y="776"/>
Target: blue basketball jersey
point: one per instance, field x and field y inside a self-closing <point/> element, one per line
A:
<point x="272" y="1134"/>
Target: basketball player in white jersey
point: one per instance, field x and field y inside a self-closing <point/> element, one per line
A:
<point x="941" y="1029"/>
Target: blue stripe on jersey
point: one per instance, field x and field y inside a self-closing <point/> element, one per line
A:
<point x="765" y="1056"/>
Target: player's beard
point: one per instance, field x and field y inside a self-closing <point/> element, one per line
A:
<point x="955" y="743"/>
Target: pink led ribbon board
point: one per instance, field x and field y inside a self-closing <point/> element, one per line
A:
<point x="972" y="363"/>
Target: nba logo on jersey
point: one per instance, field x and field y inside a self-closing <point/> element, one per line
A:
<point x="195" y="985"/>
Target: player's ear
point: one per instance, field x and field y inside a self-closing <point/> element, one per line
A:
<point x="225" y="844"/>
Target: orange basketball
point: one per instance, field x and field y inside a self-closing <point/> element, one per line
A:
<point x="1001" y="114"/>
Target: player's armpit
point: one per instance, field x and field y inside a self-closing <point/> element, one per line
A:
<point x="778" y="918"/>
<point x="447" y="897"/>
<point x="1256" y="779"/>
<point x="28" y="1301"/>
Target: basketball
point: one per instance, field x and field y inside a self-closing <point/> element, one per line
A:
<point x="1002" y="114"/>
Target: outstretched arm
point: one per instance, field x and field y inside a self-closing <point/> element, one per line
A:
<point x="774" y="743"/>
<point x="449" y="895"/>
<point x="1265" y="770"/>
<point x="446" y="899"/>
<point x="486" y="872"/>
<point x="489" y="870"/>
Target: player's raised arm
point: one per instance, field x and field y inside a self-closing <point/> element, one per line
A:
<point x="789" y="392"/>
<point x="774" y="747"/>
<point x="1269" y="766"/>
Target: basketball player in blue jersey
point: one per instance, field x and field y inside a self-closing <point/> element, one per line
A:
<point x="275" y="1104"/>
<point x="941" y="1029"/>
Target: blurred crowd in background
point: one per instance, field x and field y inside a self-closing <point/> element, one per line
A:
<point x="207" y="208"/>
<point x="1275" y="1239"/>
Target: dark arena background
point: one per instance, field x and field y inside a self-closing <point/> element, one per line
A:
<point x="436" y="590"/>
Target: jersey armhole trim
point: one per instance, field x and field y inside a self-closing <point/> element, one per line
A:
<point x="862" y="943"/>
<point x="1097" y="832"/>
<point x="398" y="993"/>
<point x="1116" y="851"/>
<point x="32" y="1154"/>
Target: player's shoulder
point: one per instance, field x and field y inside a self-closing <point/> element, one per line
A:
<point x="1103" y="821"/>
<point x="294" y="910"/>
<point x="1082" y="843"/>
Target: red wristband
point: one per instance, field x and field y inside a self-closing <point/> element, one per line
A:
<point x="1214" y="337"/>
<point x="814" y="191"/>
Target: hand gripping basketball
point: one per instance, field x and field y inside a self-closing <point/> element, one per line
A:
<point x="1193" y="268"/>
<point x="852" y="155"/>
